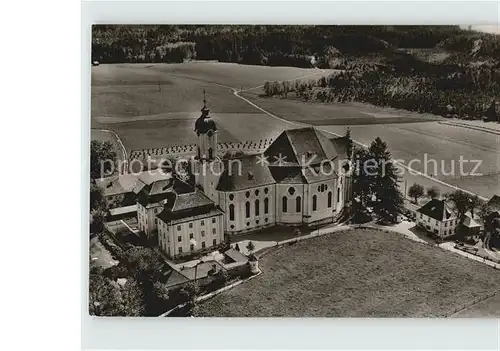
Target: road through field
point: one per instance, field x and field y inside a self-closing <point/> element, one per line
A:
<point x="411" y="175"/>
<point x="156" y="105"/>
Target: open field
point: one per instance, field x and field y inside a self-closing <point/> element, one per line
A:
<point x="445" y="144"/>
<point x="358" y="273"/>
<point x="488" y="308"/>
<point x="316" y="113"/>
<point x="126" y="99"/>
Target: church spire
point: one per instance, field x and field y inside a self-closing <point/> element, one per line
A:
<point x="204" y="109"/>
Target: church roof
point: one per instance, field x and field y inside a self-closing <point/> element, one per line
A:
<point x="159" y="190"/>
<point x="305" y="146"/>
<point x="288" y="175"/>
<point x="188" y="206"/>
<point x="117" y="184"/>
<point x="244" y="172"/>
<point x="204" y="124"/>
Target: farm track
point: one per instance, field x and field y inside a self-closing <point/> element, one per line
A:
<point x="300" y="124"/>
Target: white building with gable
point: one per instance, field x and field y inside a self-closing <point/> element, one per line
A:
<point x="301" y="179"/>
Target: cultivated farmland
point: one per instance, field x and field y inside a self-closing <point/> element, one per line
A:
<point x="358" y="273"/>
<point x="155" y="105"/>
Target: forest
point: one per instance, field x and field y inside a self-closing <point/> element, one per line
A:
<point x="301" y="46"/>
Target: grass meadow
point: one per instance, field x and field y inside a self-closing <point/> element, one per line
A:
<point x="358" y="273"/>
<point x="156" y="105"/>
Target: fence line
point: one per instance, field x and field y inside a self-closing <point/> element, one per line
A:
<point x="176" y="150"/>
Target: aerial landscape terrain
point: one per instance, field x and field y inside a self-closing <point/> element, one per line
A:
<point x="411" y="93"/>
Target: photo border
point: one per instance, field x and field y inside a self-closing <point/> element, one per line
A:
<point x="268" y="333"/>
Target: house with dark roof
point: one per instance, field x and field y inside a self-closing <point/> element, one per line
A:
<point x="493" y="205"/>
<point x="189" y="222"/>
<point x="117" y="190"/>
<point x="438" y="218"/>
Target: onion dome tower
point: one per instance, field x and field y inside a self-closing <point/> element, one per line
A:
<point x="206" y="130"/>
<point x="207" y="166"/>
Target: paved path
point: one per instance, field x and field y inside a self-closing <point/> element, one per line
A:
<point x="450" y="246"/>
<point x="122" y="149"/>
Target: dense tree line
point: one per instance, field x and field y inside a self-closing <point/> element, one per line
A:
<point x="262" y="45"/>
<point x="463" y="91"/>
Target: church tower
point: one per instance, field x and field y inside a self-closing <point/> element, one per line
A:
<point x="208" y="167"/>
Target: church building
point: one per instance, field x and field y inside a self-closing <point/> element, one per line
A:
<point x="301" y="179"/>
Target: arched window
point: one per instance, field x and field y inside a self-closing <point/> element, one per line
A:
<point x="247" y="209"/>
<point x="266" y="205"/>
<point x="257" y="207"/>
<point x="315" y="202"/>
<point x="284" y="204"/>
<point x="298" y="204"/>
<point x="329" y="199"/>
<point x="210" y="153"/>
<point x="199" y="152"/>
<point x="338" y="194"/>
<point x="231" y="212"/>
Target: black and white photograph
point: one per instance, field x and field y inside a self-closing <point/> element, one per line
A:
<point x="294" y="171"/>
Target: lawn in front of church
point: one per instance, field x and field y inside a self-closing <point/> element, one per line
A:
<point x="357" y="273"/>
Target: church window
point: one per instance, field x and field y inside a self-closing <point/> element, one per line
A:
<point x="199" y="152"/>
<point x="231" y="212"/>
<point x="202" y="222"/>
<point x="191" y="247"/>
<point x="298" y="204"/>
<point x="210" y="153"/>
<point x="257" y="207"/>
<point x="291" y="191"/>
<point x="214" y="242"/>
<point x="190" y="225"/>
<point x="266" y="205"/>
<point x="191" y="235"/>
<point x="338" y="194"/>
<point x="247" y="194"/>
<point x="319" y="188"/>
<point x="266" y="190"/>
<point x="315" y="202"/>
<point x="203" y="245"/>
<point x="180" y="249"/>
<point x="231" y="197"/>
<point x="329" y="199"/>
<point x="179" y="238"/>
<point x="247" y="209"/>
<point x="284" y="204"/>
<point x="257" y="192"/>
<point x="178" y="227"/>
<point x="214" y="220"/>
